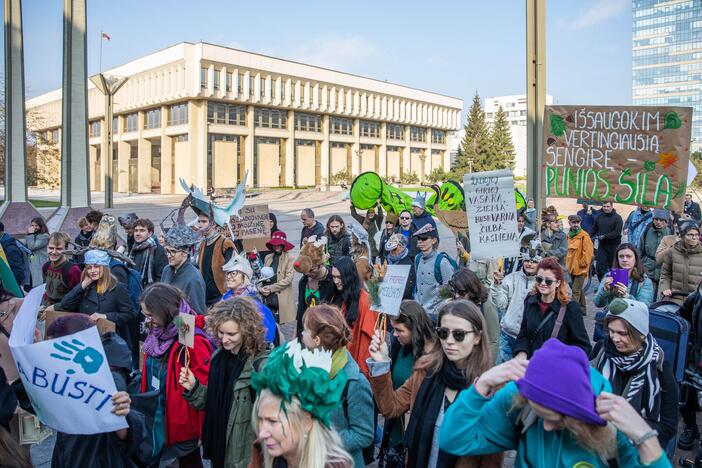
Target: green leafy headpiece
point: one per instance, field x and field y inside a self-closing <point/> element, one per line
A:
<point x="292" y="371"/>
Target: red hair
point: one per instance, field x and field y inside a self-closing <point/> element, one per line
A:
<point x="328" y="323"/>
<point x="551" y="264"/>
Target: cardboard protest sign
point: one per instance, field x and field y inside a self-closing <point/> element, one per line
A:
<point x="252" y="227"/>
<point x="492" y="214"/>
<point x="392" y="289"/>
<point x="68" y="379"/>
<point x="103" y="325"/>
<point x="625" y="154"/>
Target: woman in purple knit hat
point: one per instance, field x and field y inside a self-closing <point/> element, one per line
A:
<point x="554" y="410"/>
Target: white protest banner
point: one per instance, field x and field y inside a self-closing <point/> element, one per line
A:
<point x="492" y="214"/>
<point x="392" y="288"/>
<point x="68" y="379"/>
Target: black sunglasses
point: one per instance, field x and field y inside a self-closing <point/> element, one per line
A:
<point x="458" y="335"/>
<point x="548" y="281"/>
<point x="422" y="238"/>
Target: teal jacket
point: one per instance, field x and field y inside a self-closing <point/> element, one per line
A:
<point x="644" y="294"/>
<point x="353" y="419"/>
<point x="474" y="425"/>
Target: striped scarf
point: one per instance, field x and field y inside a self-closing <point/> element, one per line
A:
<point x="635" y="376"/>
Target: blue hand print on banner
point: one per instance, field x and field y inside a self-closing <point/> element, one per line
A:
<point x="88" y="358"/>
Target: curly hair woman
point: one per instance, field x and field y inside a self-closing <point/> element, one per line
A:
<point x="227" y="435"/>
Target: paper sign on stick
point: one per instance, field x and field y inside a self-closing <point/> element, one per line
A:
<point x="68" y="379"/>
<point x="492" y="214"/>
<point x="186" y="329"/>
<point x="392" y="288"/>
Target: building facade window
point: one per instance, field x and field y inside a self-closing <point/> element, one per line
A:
<point x="180" y="138"/>
<point x="418" y="134"/>
<point x="178" y="114"/>
<point x="115" y="124"/>
<point x="215" y="80"/>
<point x="227" y="114"/>
<point x="95" y="127"/>
<point x="273" y="86"/>
<point x="364" y="146"/>
<point x="338" y="144"/>
<point x="229" y="82"/>
<point x="240" y="83"/>
<point x="396" y="132"/>
<point x="55" y="136"/>
<point x="153" y="118"/>
<point x="131" y="122"/>
<point x="370" y="129"/>
<point x="270" y="118"/>
<point x="308" y="122"/>
<point x="340" y="126"/>
<point x="203" y="77"/>
<point x="438" y="136"/>
<point x="263" y="86"/>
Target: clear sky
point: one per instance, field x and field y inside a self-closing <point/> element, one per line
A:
<point x="454" y="48"/>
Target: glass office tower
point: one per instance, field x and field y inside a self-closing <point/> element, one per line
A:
<point x="667" y="56"/>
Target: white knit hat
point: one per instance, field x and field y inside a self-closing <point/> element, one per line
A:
<point x="633" y="312"/>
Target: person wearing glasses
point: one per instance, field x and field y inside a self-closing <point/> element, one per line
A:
<point x="508" y="294"/>
<point x="406" y="229"/>
<point x="549" y="313"/>
<point x="180" y="272"/>
<point x="682" y="264"/>
<point x="458" y="357"/>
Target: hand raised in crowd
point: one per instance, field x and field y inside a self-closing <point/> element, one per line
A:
<point x="378" y="348"/>
<point x="607" y="283"/>
<point x="619" y="289"/>
<point x="493" y="379"/>
<point x="615" y="409"/>
<point x="498" y="276"/>
<point x="187" y="379"/>
<point x="87" y="281"/>
<point x="121" y="403"/>
<point x="96" y="316"/>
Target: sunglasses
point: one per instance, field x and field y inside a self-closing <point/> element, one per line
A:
<point x="405" y="217"/>
<point x="172" y="252"/>
<point x="458" y="335"/>
<point x="548" y="281"/>
<point x="422" y="238"/>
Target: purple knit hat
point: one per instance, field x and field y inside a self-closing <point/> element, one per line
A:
<point x="558" y="378"/>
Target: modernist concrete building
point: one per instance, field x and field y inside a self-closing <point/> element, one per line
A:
<point x="209" y="114"/>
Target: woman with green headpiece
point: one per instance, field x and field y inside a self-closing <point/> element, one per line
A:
<point x="291" y="416"/>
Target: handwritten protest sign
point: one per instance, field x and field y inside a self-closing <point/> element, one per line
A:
<point x="492" y="214"/>
<point x="631" y="155"/>
<point x="392" y="289"/>
<point x="252" y="227"/>
<point x="68" y="379"/>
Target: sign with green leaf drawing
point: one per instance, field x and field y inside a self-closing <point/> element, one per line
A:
<point x="634" y="155"/>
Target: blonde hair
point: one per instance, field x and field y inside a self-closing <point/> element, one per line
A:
<point x="321" y="447"/>
<point x="600" y="440"/>
<point x="107" y="281"/>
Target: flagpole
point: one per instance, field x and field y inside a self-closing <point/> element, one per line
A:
<point x="101" y="51"/>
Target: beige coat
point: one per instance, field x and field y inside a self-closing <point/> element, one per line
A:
<point x="681" y="270"/>
<point x="8" y="311"/>
<point x="284" y="287"/>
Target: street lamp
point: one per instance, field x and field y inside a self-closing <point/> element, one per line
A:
<point x="108" y="85"/>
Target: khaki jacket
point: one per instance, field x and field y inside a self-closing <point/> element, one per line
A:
<point x="286" y="293"/>
<point x="681" y="270"/>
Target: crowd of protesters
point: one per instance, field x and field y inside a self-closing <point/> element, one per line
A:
<point x="482" y="357"/>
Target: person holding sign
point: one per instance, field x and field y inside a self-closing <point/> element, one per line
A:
<point x="110" y="449"/>
<point x="682" y="264"/>
<point x="100" y="296"/>
<point x="398" y="254"/>
<point x="177" y="426"/>
<point x="354" y="303"/>
<point x="633" y="284"/>
<point x="554" y="410"/>
<point x="326" y="329"/>
<point x="227" y="397"/>
<point x="549" y="313"/>
<point x="461" y="354"/>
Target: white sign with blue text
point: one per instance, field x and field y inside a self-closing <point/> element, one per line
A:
<point x="68" y="379"/>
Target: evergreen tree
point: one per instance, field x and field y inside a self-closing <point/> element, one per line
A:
<point x="474" y="151"/>
<point x="501" y="142"/>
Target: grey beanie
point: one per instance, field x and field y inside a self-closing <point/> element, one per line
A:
<point x="633" y="312"/>
<point x="660" y="214"/>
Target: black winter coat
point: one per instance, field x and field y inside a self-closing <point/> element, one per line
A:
<point x="105" y="449"/>
<point x="115" y="304"/>
<point x="572" y="331"/>
<point x="158" y="263"/>
<point x="338" y="247"/>
<point x="327" y="288"/>
<point x="609" y="226"/>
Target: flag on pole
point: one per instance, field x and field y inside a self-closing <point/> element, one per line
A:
<point x="106" y="36"/>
